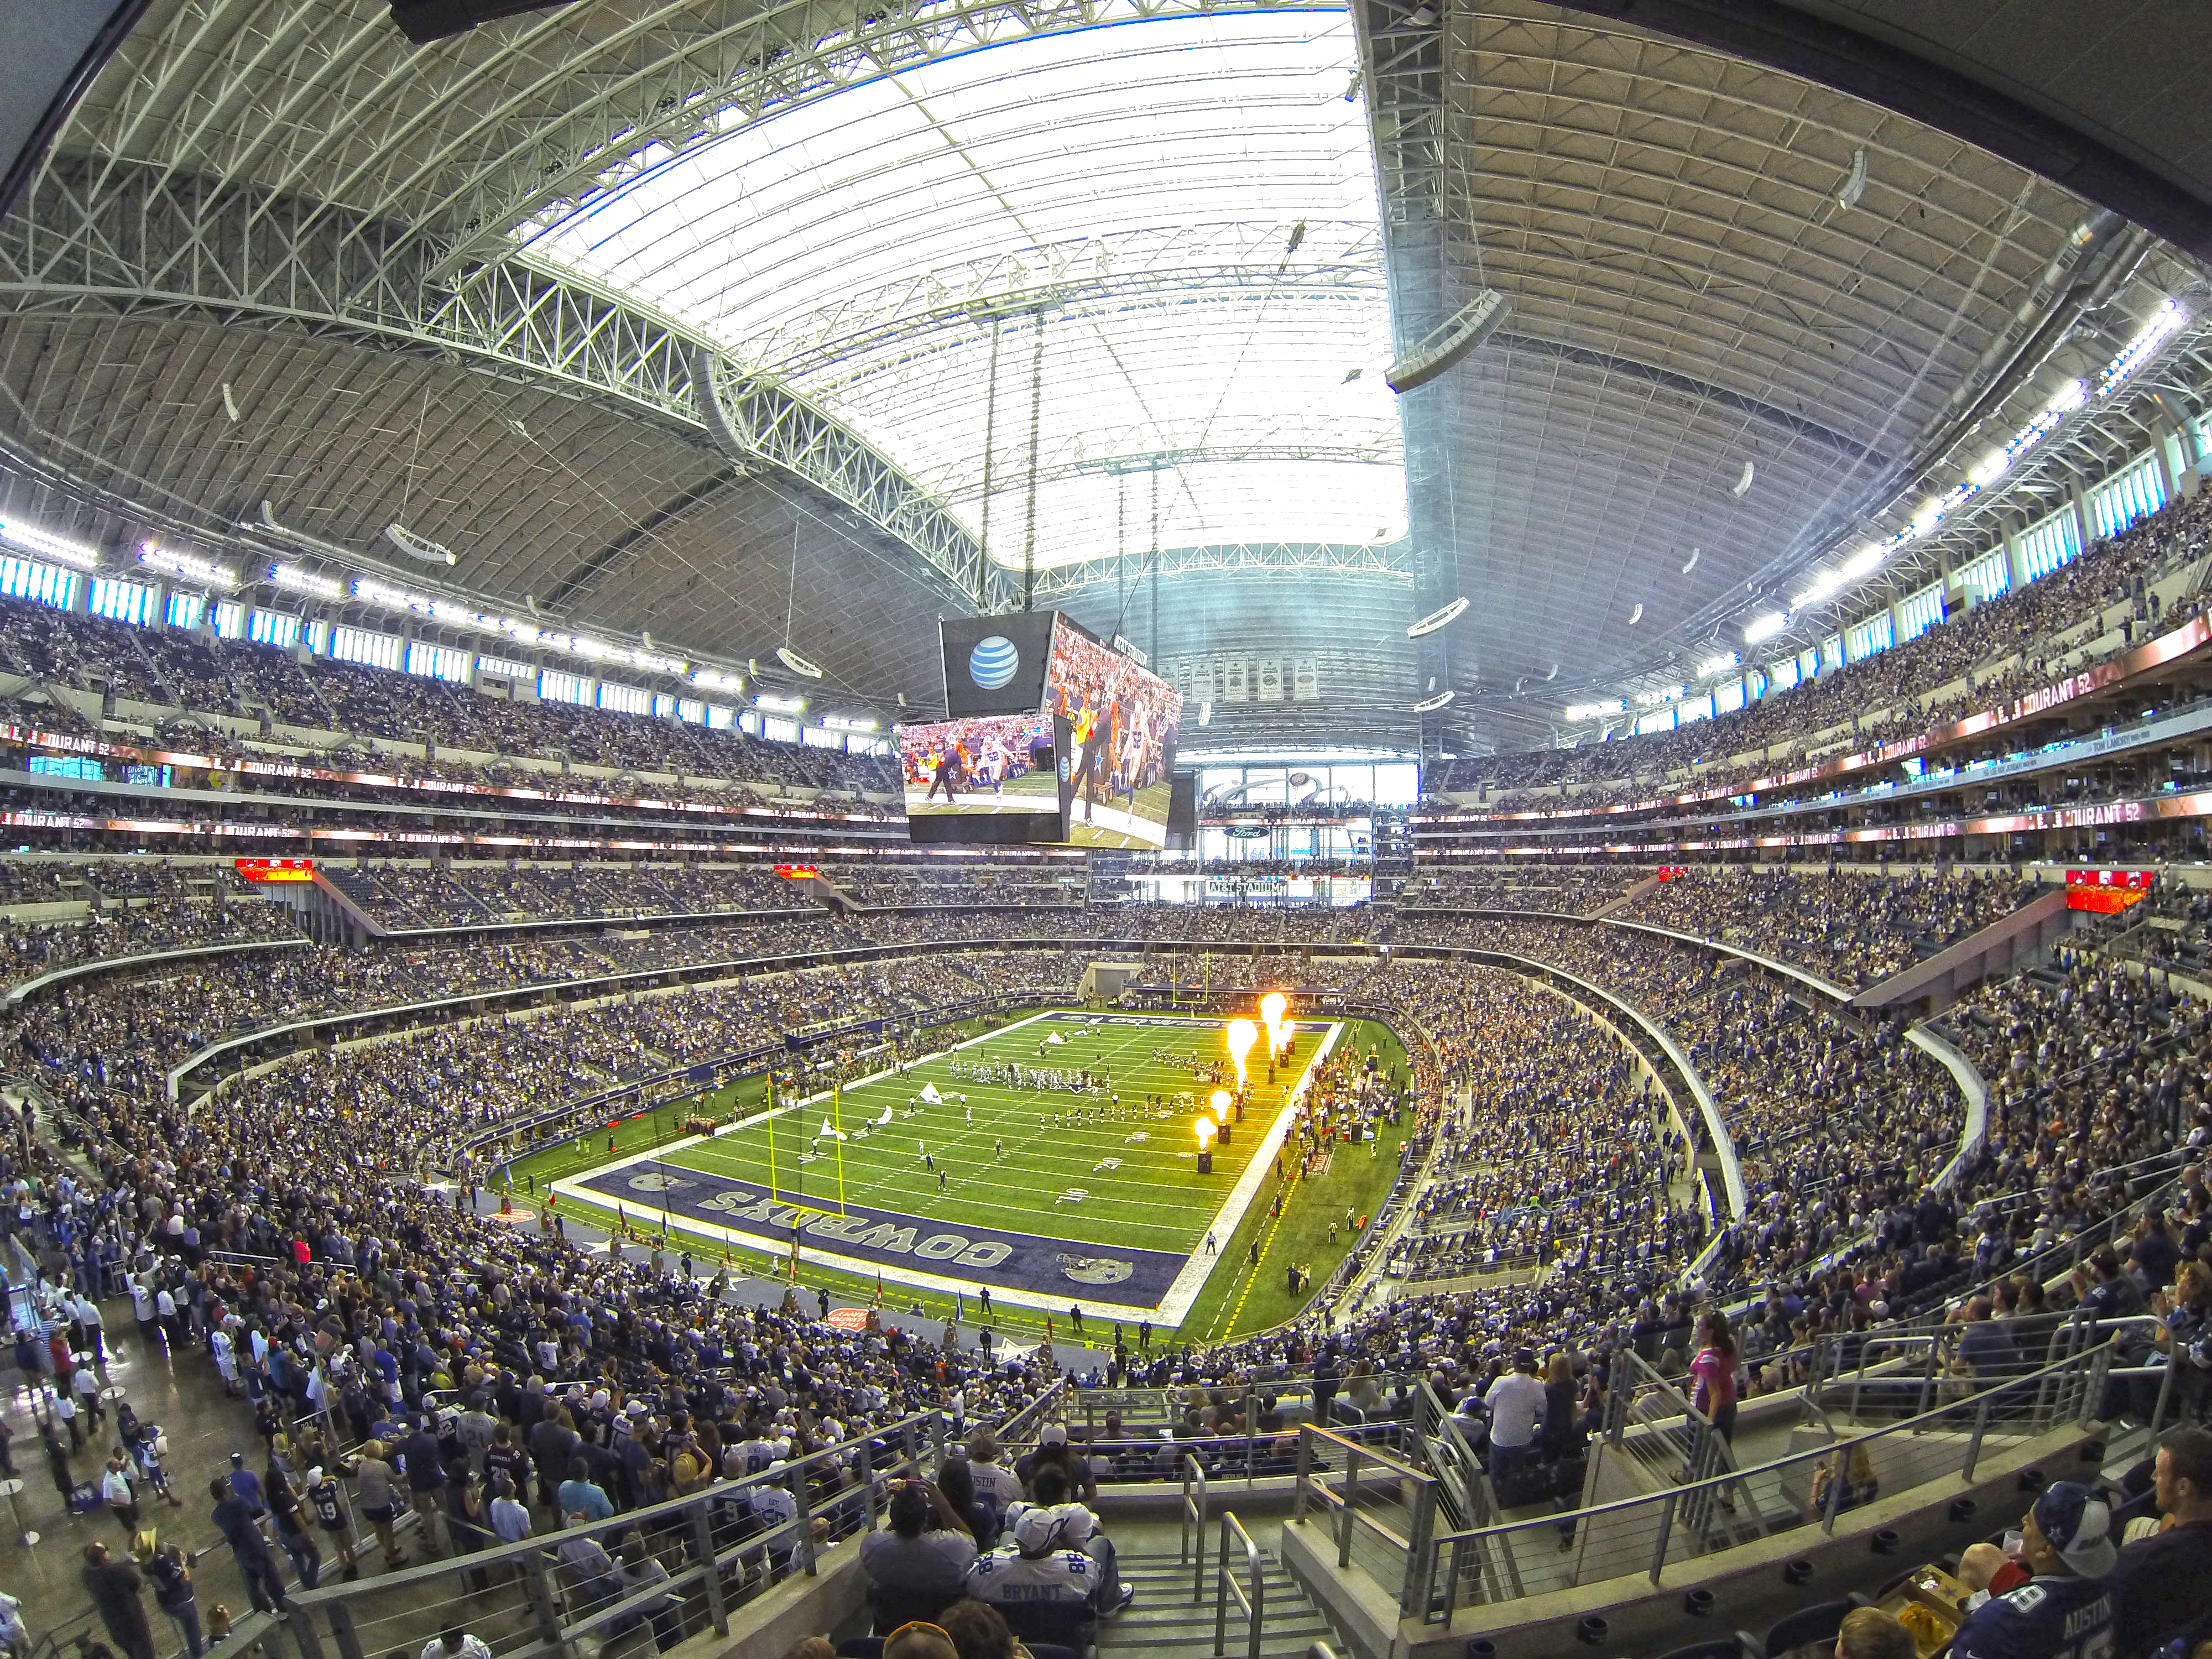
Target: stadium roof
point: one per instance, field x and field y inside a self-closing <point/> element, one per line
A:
<point x="1102" y="223"/>
<point x="479" y="288"/>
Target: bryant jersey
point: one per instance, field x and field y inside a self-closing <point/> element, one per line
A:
<point x="1060" y="1577"/>
<point x="2046" y="1617"/>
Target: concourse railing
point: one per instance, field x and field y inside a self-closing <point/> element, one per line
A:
<point x="1713" y="1512"/>
<point x="1380" y="1510"/>
<point x="543" y="1597"/>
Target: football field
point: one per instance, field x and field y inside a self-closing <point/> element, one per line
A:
<point x="1057" y="1162"/>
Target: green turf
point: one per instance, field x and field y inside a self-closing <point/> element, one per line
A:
<point x="1238" y="1297"/>
<point x="1012" y="1156"/>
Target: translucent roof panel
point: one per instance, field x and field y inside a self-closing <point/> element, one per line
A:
<point x="1099" y="226"/>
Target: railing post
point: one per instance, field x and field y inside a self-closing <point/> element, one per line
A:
<point x="1420" y="1556"/>
<point x="538" y="1586"/>
<point x="2164" y="1393"/>
<point x="1257" y="1613"/>
<point x="1928" y="1379"/>
<point x="1221" y="1596"/>
<point x="1838" y="1463"/>
<point x="302" y="1623"/>
<point x="2093" y="1389"/>
<point x="342" y="1629"/>
<point x="1666" y="1530"/>
<point x="1305" y="1473"/>
<point x="1351" y="1497"/>
<point x="702" y="1533"/>
<point x="803" y="1500"/>
<point x="1974" y="1445"/>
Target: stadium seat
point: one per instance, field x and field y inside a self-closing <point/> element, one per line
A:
<point x="888" y="1609"/>
<point x="1737" y="1644"/>
<point x="1052" y="1626"/>
<point x="1817" y="1623"/>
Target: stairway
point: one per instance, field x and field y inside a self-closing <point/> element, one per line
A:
<point x="1163" y="1620"/>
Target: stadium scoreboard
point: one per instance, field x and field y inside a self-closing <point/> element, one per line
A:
<point x="1051" y="737"/>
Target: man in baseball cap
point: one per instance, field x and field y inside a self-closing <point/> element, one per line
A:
<point x="2065" y="1611"/>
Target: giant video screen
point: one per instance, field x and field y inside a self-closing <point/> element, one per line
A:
<point x="1120" y="724"/>
<point x="990" y="778"/>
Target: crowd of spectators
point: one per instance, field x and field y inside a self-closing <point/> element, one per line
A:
<point x="137" y="927"/>
<point x="1559" y="1157"/>
<point x="1568" y="890"/>
<point x="1984" y="655"/>
<point x="1852" y="929"/>
<point x="1550" y="1152"/>
<point x="194" y="671"/>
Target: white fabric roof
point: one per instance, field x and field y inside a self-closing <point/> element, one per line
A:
<point x="1143" y="181"/>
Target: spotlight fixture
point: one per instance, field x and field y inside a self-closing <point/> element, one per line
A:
<point x="416" y="547"/>
<point x="1855" y="184"/>
<point x="186" y="565"/>
<point x="1438" y="619"/>
<point x="1451" y="340"/>
<point x="1742" y="485"/>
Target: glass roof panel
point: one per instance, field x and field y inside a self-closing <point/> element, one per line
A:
<point x="1105" y="220"/>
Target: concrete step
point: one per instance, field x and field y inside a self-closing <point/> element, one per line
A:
<point x="1166" y="1622"/>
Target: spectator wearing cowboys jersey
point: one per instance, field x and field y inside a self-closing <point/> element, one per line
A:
<point x="1057" y="1557"/>
<point x="2065" y="1611"/>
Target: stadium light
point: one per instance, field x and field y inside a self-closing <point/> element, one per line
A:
<point x="298" y="579"/>
<point x="31" y="539"/>
<point x="776" y="705"/>
<point x="1436" y="620"/>
<point x="1766" y="627"/>
<point x="1717" y="665"/>
<point x="1585" y="711"/>
<point x="184" y="565"/>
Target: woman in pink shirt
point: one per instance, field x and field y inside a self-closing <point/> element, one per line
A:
<point x="1715" y="1368"/>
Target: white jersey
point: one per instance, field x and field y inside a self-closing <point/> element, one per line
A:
<point x="1005" y="1577"/>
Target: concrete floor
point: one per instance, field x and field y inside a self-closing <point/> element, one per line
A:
<point x="203" y="1427"/>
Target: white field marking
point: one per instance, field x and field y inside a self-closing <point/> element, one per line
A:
<point x="1172" y="1308"/>
<point x="1184" y="1291"/>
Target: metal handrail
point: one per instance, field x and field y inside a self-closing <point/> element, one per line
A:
<point x="2067" y="1390"/>
<point x="1192" y="1531"/>
<point x="330" y="1610"/>
<point x="1225" y="1585"/>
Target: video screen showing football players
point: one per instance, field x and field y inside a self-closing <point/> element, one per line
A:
<point x="987" y="766"/>
<point x="1122" y="723"/>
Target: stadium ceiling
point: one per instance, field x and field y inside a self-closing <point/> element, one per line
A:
<point x="485" y="286"/>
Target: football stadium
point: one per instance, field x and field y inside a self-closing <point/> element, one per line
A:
<point x="962" y="830"/>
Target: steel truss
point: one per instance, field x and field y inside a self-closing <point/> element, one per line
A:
<point x="1404" y="65"/>
<point x="1126" y="270"/>
<point x="151" y="245"/>
<point x="2174" y="387"/>
<point x="1390" y="559"/>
